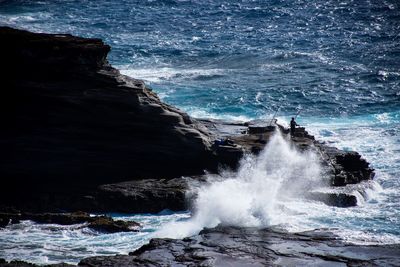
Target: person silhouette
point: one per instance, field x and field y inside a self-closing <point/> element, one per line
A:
<point x="293" y="125"/>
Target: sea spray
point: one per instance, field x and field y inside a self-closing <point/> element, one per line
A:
<point x="255" y="195"/>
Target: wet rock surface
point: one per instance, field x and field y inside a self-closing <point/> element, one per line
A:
<point x="99" y="223"/>
<point x="108" y="225"/>
<point x="230" y="246"/>
<point x="16" y="263"/>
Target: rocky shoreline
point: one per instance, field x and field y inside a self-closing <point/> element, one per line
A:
<point x="79" y="136"/>
<point x="99" y="223"/>
<point x="233" y="246"/>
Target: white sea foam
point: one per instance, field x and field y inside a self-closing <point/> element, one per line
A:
<point x="258" y="97"/>
<point x="202" y="113"/>
<point x="50" y="243"/>
<point x="374" y="136"/>
<point x="156" y="75"/>
<point x="366" y="238"/>
<point x="318" y="56"/>
<point x="24" y="19"/>
<point x="256" y="194"/>
<point x="259" y="194"/>
<point x="383" y="74"/>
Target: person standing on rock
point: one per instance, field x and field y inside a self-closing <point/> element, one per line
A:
<point x="293" y="125"/>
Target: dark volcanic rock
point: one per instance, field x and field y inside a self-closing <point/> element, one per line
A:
<point x="342" y="200"/>
<point x="99" y="223"/>
<point x="71" y="122"/>
<point x="150" y="195"/>
<point x="74" y="128"/>
<point x="343" y="167"/>
<point x="116" y="261"/>
<point x="15" y="263"/>
<point x="107" y="224"/>
<point x="230" y="246"/>
<point x="4" y="222"/>
<point x="57" y="218"/>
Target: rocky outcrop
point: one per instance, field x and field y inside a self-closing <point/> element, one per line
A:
<point x="230" y="246"/>
<point x="74" y="129"/>
<point x="151" y="195"/>
<point x="108" y="225"/>
<point x="155" y="195"/>
<point x="71" y="122"/>
<point x="99" y="223"/>
<point x="343" y="167"/>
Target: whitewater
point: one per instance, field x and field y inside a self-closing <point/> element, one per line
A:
<point x="256" y="194"/>
<point x="242" y="60"/>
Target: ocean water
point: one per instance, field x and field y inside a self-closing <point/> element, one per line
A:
<point x="337" y="62"/>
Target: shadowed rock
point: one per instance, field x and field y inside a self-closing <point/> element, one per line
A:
<point x="72" y="122"/>
<point x="155" y="195"/>
<point x="150" y="195"/>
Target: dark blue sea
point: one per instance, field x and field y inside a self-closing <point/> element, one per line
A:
<point x="335" y="63"/>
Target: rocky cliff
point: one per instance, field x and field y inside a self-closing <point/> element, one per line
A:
<point x="71" y="121"/>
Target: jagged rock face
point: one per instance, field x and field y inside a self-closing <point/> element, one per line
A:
<point x="71" y="121"/>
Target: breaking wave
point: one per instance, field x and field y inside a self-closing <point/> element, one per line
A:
<point x="255" y="195"/>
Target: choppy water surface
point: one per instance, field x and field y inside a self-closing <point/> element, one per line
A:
<point x="337" y="61"/>
<point x="51" y="243"/>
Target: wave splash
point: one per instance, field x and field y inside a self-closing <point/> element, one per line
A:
<point x="255" y="195"/>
